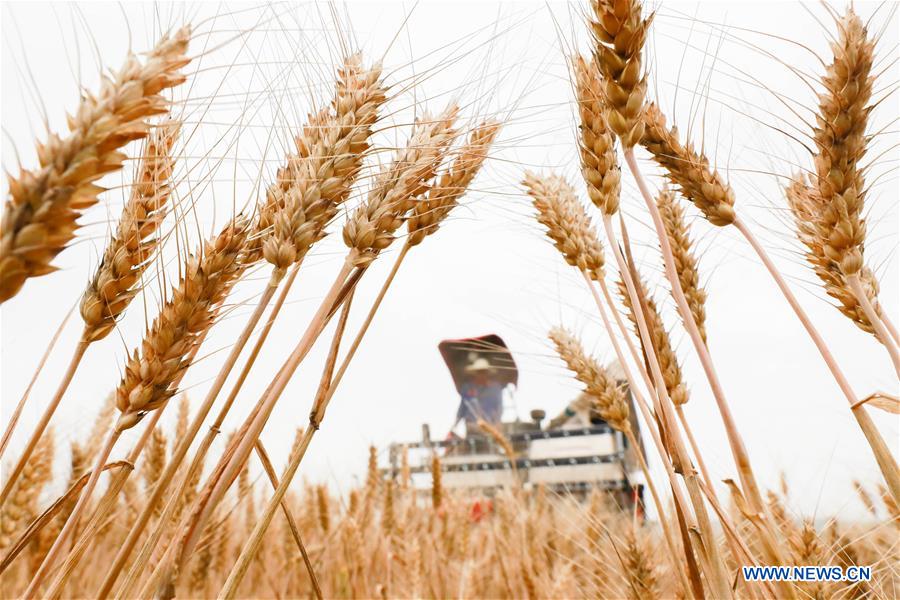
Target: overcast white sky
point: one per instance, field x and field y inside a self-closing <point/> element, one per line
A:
<point x="738" y="90"/>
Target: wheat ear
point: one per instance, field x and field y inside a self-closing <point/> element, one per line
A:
<point x="22" y="505"/>
<point x="318" y="178"/>
<point x="373" y="226"/>
<point x="840" y="139"/>
<point x="661" y="343"/>
<point x="805" y="203"/>
<point x="559" y="210"/>
<point x="609" y="399"/>
<point x="43" y="205"/>
<point x="424" y="220"/>
<point x="569" y="227"/>
<point x="619" y="33"/>
<point x="710" y="558"/>
<point x="132" y="245"/>
<point x="306" y="195"/>
<point x="597" y="142"/>
<point x="607" y="395"/>
<point x="685" y="260"/>
<point x="690" y="171"/>
<point x="369" y="230"/>
<point x="444" y="195"/>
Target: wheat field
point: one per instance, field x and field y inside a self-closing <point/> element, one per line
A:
<point x="221" y="262"/>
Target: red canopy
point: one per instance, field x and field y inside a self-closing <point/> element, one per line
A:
<point x="458" y="354"/>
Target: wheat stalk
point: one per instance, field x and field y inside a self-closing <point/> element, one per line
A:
<point x="368" y="231"/>
<point x="703" y="186"/>
<point x="569" y="227"/>
<point x="43" y="205"/>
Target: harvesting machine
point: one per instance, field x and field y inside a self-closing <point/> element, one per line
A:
<point x="572" y="453"/>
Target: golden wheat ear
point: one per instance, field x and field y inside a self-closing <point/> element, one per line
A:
<point x="373" y="225"/>
<point x="685" y="257"/>
<point x="607" y="395"/>
<point x="805" y="202"/>
<point x="43" y="205"/>
<point x="444" y="195"/>
<point x="597" y="141"/>
<point x="318" y="177"/>
<point x="167" y="345"/>
<point x="619" y="33"/>
<point x="134" y="242"/>
<point x="566" y="221"/>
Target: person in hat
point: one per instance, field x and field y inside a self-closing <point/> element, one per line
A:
<point x="482" y="394"/>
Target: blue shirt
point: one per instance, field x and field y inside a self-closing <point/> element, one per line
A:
<point x="481" y="402"/>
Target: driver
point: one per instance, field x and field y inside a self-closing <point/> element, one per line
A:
<point x="482" y="396"/>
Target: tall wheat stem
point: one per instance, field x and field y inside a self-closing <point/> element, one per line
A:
<point x="713" y="560"/>
<point x="265" y="406"/>
<point x="251" y="546"/>
<point x="738" y="449"/>
<point x="126" y="589"/>
<point x="891" y="328"/>
<point x="877" y="324"/>
<point x="883" y="456"/>
<point x="184" y="444"/>
<point x="634" y="354"/>
<point x="632" y="439"/>
<point x="41" y="427"/>
<point x="289" y="517"/>
<point x="55" y="551"/>
<point x="116" y="482"/>
<point x="351" y="351"/>
<point x="695" y="449"/>
<point x="737" y="544"/>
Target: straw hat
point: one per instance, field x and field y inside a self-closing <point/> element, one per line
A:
<point x="479" y="364"/>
